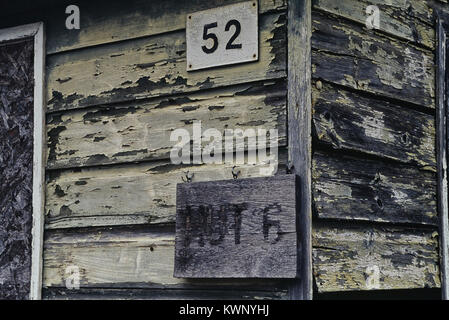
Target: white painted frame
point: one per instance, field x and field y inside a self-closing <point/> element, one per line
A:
<point x="442" y="145"/>
<point x="36" y="31"/>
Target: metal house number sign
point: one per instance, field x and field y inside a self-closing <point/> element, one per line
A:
<point x="222" y="36"/>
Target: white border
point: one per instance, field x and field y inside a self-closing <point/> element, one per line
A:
<point x="35" y="30"/>
<point x="442" y="163"/>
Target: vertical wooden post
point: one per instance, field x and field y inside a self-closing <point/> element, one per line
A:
<point x="299" y="134"/>
<point x="38" y="163"/>
<point x="442" y="135"/>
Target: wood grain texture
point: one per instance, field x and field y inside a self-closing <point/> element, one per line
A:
<point x="129" y="194"/>
<point x="367" y="258"/>
<point x="129" y="20"/>
<point x="133" y="257"/>
<point x="16" y="167"/>
<point x="137" y="132"/>
<point x="349" y="121"/>
<point x="343" y="256"/>
<point x="350" y="188"/>
<point x="441" y="149"/>
<point x="346" y="54"/>
<point x="241" y="228"/>
<point x="411" y="20"/>
<point x="299" y="103"/>
<point x="154" y="66"/>
<point x="163" y="294"/>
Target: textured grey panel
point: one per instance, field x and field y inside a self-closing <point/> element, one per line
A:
<point x="16" y="168"/>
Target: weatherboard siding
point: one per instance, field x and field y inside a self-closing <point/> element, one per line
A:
<point x="374" y="164"/>
<point x="118" y="86"/>
<point x="115" y="93"/>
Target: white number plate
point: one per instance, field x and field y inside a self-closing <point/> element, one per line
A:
<point x="222" y="36"/>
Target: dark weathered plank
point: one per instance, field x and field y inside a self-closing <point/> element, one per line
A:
<point x="369" y="258"/>
<point x="132" y="257"/>
<point x="347" y="120"/>
<point x="16" y="167"/>
<point x="299" y="103"/>
<point x="163" y="294"/>
<point x="348" y="55"/>
<point x="122" y="20"/>
<point x="351" y="188"/>
<point x="241" y="228"/>
<point x="137" y="132"/>
<point x="154" y="66"/>
<point x="130" y="194"/>
<point x="411" y="20"/>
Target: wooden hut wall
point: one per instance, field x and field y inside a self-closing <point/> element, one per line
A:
<point x="374" y="165"/>
<point x="116" y="91"/>
<point x="118" y="86"/>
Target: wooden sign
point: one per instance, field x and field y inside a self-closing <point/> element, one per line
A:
<point x="242" y="228"/>
<point x="222" y="36"/>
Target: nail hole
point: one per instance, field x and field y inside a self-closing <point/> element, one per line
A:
<point x="327" y="116"/>
<point x="190" y="17"/>
<point x="254" y="55"/>
<point x="151" y="249"/>
<point x="254" y="4"/>
<point x="377" y="179"/>
<point x="379" y="203"/>
<point x="404" y="138"/>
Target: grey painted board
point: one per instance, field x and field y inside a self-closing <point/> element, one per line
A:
<point x="242" y="228"/>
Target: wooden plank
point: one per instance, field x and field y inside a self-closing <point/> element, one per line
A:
<point x="349" y="258"/>
<point x="128" y="20"/>
<point x="130" y="194"/>
<point x="241" y="228"/>
<point x="350" y="188"/>
<point x="162" y="294"/>
<point x="136" y="132"/>
<point x="343" y="259"/>
<point x="350" y="121"/>
<point x="154" y="66"/>
<point x="108" y="259"/>
<point x="17" y="33"/>
<point x="299" y="112"/>
<point x="346" y="54"/>
<point x="442" y="145"/>
<point x="409" y="20"/>
<point x="39" y="163"/>
<point x="133" y="257"/>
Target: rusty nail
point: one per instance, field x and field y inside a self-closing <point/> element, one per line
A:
<point x="235" y="174"/>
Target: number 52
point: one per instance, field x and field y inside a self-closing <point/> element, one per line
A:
<point x="230" y="45"/>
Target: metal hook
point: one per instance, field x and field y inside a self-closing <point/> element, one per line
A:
<point x="189" y="176"/>
<point x="235" y="174"/>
